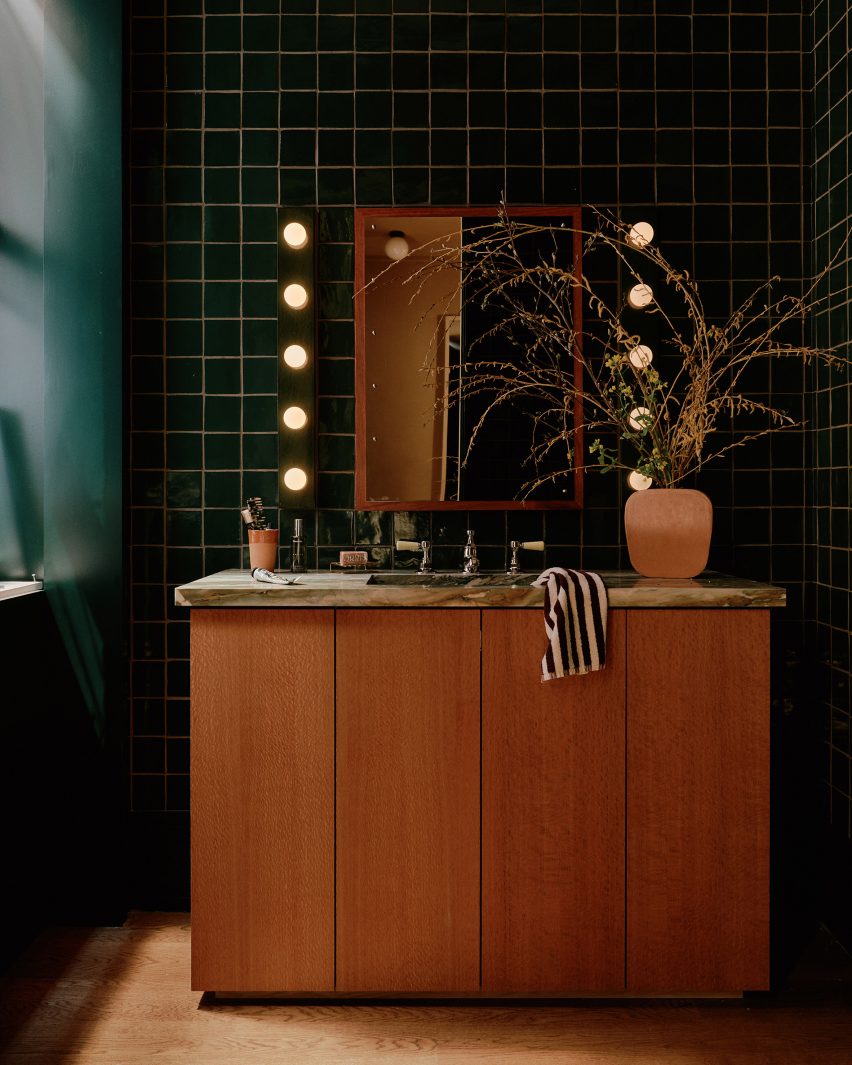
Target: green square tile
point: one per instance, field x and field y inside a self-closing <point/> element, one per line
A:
<point x="373" y="147"/>
<point x="260" y="147"/>
<point x="222" y="376"/>
<point x="184" y="71"/>
<point x="264" y="484"/>
<point x="412" y="72"/>
<point x="372" y="33"/>
<point x="222" y="414"/>
<point x="260" y="451"/>
<point x="335" y="262"/>
<point x="260" y="109"/>
<point x="222" y="451"/>
<point x="260" y="375"/>
<point x="222" y="148"/>
<point x="260" y="33"/>
<point x="183" y="147"/>
<point x="298" y="110"/>
<point x="183" y="338"/>
<point x="335" y="415"/>
<point x="410" y="148"/>
<point x="335" y="300"/>
<point x="222" y="185"/>
<point x="183" y="374"/>
<point x="334" y="527"/>
<point x="183" y="528"/>
<point x="183" y="184"/>
<point x="260" y="223"/>
<point x="335" y="110"/>
<point x="223" y="526"/>
<point x="335" y="147"/>
<point x="222" y="490"/>
<point x="184" y="34"/>
<point x="410" y="185"/>
<point x="221" y="7"/>
<point x="183" y="222"/>
<point x="449" y="147"/>
<point x="448" y="185"/>
<point x="449" y="70"/>
<point x="222" y="110"/>
<point x="222" y="338"/>
<point x="298" y="33"/>
<point x="411" y="33"/>
<point x="373" y="110"/>
<point x="260" y="299"/>
<point x="222" y="34"/>
<point x="335" y="33"/>
<point x="373" y="186"/>
<point x="335" y="490"/>
<point x="183" y="412"/>
<point x="336" y="377"/>
<point x="336" y="71"/>
<point x="336" y="453"/>
<point x="373" y="71"/>
<point x="260" y="413"/>
<point x="222" y="224"/>
<point x="261" y="72"/>
<point x="260" y="337"/>
<point x="260" y="184"/>
<point x="146" y="488"/>
<point x="336" y="224"/>
<point x="448" y="33"/>
<point x="221" y="262"/>
<point x="298" y="147"/>
<point x="335" y="186"/>
<point x="411" y="109"/>
<point x="336" y="339"/>
<point x="146" y="185"/>
<point x="260" y="262"/>
<point x="183" y="261"/>
<point x="183" y="110"/>
<point x="147" y="262"/>
<point x="222" y="71"/>
<point x="148" y="451"/>
<point x="299" y="71"/>
<point x="183" y="452"/>
<point x="183" y="299"/>
<point x="222" y="299"/>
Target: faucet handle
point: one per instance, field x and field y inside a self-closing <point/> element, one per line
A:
<point x="519" y="545"/>
<point x="407" y="545"/>
<point x="423" y="545"/>
<point x="533" y="545"/>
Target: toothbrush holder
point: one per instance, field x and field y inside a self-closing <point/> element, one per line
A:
<point x="263" y="548"/>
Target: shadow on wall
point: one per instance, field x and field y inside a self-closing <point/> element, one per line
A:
<point x="20" y="507"/>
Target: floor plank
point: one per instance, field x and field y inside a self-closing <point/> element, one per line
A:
<point x="120" y="996"/>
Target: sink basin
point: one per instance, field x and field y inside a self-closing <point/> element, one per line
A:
<point x="449" y="580"/>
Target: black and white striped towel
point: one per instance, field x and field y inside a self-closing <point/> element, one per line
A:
<point x="575" y="619"/>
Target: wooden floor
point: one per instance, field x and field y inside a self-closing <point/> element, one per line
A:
<point x="120" y="996"/>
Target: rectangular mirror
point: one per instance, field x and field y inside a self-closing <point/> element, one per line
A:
<point x="422" y="442"/>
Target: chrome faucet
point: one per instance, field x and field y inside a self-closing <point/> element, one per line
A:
<point x="425" y="546"/>
<point x="471" y="559"/>
<point x="518" y="545"/>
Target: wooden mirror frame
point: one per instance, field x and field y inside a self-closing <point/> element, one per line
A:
<point x="363" y="216"/>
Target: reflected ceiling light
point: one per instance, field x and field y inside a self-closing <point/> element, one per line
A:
<point x="396" y="246"/>
<point x="641" y="233"/>
<point x="296" y="296"/>
<point x="638" y="481"/>
<point x="295" y="356"/>
<point x="641" y="356"/>
<point x="638" y="418"/>
<point x="638" y="297"/>
<point x="295" y="235"/>
<point x="295" y="478"/>
<point x="294" y="417"/>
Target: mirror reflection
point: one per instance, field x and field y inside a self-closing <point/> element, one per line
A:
<point x="418" y="335"/>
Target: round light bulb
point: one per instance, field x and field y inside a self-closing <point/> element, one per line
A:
<point x="396" y="246"/>
<point x="295" y="479"/>
<point x="641" y="233"/>
<point x="295" y="356"/>
<point x="640" y="296"/>
<point x="638" y="417"/>
<point x="641" y="356"/>
<point x="294" y="417"/>
<point x="295" y="235"/>
<point x="296" y="296"/>
<point x="638" y="481"/>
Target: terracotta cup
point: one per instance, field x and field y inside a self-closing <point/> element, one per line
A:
<point x="263" y="548"/>
<point x="668" y="531"/>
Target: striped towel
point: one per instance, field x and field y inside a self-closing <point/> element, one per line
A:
<point x="575" y="619"/>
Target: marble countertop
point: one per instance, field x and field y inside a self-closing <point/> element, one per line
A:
<point x="236" y="588"/>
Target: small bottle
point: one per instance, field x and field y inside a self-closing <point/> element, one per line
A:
<point x="297" y="557"/>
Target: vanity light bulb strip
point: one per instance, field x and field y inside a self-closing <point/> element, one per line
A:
<point x="296" y="362"/>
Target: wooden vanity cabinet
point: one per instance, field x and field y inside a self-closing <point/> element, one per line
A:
<point x="389" y="801"/>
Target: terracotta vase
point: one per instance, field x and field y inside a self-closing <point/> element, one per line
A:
<point x="263" y="548"/>
<point x="668" y="531"/>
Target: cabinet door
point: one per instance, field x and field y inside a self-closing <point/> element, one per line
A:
<point x="698" y="800"/>
<point x="552" y="815"/>
<point x="408" y="800"/>
<point x="262" y="800"/>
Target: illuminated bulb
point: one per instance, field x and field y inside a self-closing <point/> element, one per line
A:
<point x="294" y="417"/>
<point x="641" y="356"/>
<point x="396" y="246"/>
<point x="640" y="234"/>
<point x="638" y="417"/>
<point x="295" y="235"/>
<point x="296" y="296"/>
<point x="638" y="297"/>
<point x="295" y="356"/>
<point x="638" y="481"/>
<point x="295" y="479"/>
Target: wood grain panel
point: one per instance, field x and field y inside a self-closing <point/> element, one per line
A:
<point x="698" y="800"/>
<point x="552" y="815"/>
<point x="262" y="800"/>
<point x="408" y="800"/>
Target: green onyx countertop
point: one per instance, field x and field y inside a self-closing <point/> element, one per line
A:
<point x="400" y="588"/>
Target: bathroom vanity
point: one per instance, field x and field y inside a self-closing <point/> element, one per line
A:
<point x="387" y="800"/>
